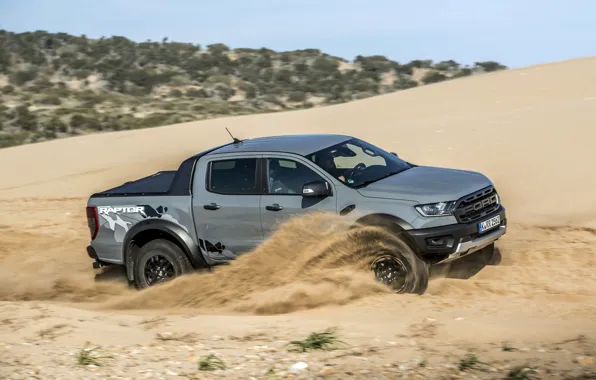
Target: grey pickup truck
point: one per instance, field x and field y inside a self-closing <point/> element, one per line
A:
<point x="225" y="201"/>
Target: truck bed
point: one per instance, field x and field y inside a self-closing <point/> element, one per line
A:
<point x="166" y="182"/>
<point x="158" y="183"/>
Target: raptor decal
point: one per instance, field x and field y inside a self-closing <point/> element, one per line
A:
<point x="216" y="248"/>
<point x="161" y="213"/>
<point x="106" y="210"/>
<point x="117" y="221"/>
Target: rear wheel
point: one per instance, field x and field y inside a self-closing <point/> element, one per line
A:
<point x="401" y="269"/>
<point x="159" y="261"/>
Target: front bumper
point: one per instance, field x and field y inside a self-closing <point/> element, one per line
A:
<point x="447" y="243"/>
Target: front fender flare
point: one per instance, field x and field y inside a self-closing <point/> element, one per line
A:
<point x="382" y="218"/>
<point x="396" y="225"/>
<point x="176" y="232"/>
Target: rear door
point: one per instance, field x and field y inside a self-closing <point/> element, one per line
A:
<point x="227" y="193"/>
<point x="285" y="175"/>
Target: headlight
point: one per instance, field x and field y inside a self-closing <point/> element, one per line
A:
<point x="436" y="209"/>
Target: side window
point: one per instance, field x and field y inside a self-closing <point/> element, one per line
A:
<point x="287" y="177"/>
<point x="234" y="176"/>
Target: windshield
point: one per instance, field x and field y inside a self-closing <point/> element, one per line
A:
<point x="358" y="163"/>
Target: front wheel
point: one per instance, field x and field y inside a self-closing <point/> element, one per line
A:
<point x="159" y="261"/>
<point x="400" y="269"/>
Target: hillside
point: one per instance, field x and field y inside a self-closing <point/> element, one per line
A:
<point x="56" y="85"/>
<point x="531" y="130"/>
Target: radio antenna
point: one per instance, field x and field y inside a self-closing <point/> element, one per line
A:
<point x="236" y="141"/>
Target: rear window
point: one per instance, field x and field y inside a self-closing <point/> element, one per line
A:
<point x="235" y="176"/>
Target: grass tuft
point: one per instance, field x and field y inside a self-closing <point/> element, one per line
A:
<point x="87" y="357"/>
<point x="326" y="340"/>
<point x="520" y="373"/>
<point x="508" y="348"/>
<point x="470" y="362"/>
<point x="211" y="363"/>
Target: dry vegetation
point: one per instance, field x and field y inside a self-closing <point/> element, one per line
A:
<point x="57" y="85"/>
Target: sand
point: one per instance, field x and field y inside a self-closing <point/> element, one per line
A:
<point x="531" y="130"/>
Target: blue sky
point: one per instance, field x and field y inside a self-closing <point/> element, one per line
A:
<point x="513" y="32"/>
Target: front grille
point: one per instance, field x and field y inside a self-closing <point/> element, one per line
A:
<point x="477" y="205"/>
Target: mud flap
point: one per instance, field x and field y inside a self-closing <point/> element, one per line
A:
<point x="131" y="254"/>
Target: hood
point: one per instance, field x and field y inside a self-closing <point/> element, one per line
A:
<point x="427" y="184"/>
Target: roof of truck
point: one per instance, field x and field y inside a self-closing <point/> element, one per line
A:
<point x="302" y="144"/>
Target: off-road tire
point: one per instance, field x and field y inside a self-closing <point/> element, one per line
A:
<point x="160" y="249"/>
<point x="416" y="276"/>
<point x="495" y="258"/>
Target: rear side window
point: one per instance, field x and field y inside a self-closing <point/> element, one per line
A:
<point x="235" y="176"/>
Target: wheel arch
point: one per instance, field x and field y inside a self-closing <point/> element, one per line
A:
<point x="394" y="223"/>
<point x="384" y="219"/>
<point x="151" y="229"/>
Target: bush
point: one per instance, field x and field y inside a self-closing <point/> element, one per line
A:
<point x="56" y="125"/>
<point x="77" y="120"/>
<point x="403" y="83"/>
<point x="249" y="89"/>
<point x="463" y="73"/>
<point x="22" y="77"/>
<point x="50" y="100"/>
<point x="12" y="139"/>
<point x="224" y="91"/>
<point x="489" y="66"/>
<point x="297" y="96"/>
<point x="450" y="65"/>
<point x="8" y="89"/>
<point x="433" y="77"/>
<point x="175" y="93"/>
<point x="197" y="93"/>
<point x="25" y="119"/>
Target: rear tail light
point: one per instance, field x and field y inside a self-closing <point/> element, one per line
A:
<point x="92" y="221"/>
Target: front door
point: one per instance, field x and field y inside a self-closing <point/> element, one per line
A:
<point x="226" y="205"/>
<point x="285" y="176"/>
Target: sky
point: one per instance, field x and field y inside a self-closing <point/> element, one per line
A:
<point x="513" y="32"/>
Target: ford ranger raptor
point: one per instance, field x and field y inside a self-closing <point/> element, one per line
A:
<point x="225" y="201"/>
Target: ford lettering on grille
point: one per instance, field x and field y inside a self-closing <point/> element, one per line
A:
<point x="477" y="205"/>
<point x="481" y="204"/>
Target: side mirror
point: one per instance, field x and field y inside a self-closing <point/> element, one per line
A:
<point x="395" y="154"/>
<point x="316" y="189"/>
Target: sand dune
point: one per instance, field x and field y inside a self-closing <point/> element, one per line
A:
<point x="531" y="130"/>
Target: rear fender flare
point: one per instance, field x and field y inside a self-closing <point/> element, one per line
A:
<point x="174" y="231"/>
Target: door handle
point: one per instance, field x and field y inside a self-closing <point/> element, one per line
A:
<point x="274" y="207"/>
<point x="212" y="206"/>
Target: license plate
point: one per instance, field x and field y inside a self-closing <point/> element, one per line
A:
<point x="490" y="223"/>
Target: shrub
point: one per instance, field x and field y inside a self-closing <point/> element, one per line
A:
<point x="297" y="96"/>
<point x="489" y="66"/>
<point x="403" y="83"/>
<point x="56" y="125"/>
<point x="450" y="65"/>
<point x="463" y="73"/>
<point x="25" y="119"/>
<point x="12" y="139"/>
<point x="175" y="93"/>
<point x="50" y="100"/>
<point x="224" y="91"/>
<point x="8" y="89"/>
<point x="433" y="77"/>
<point x="20" y="78"/>
<point x="77" y="120"/>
